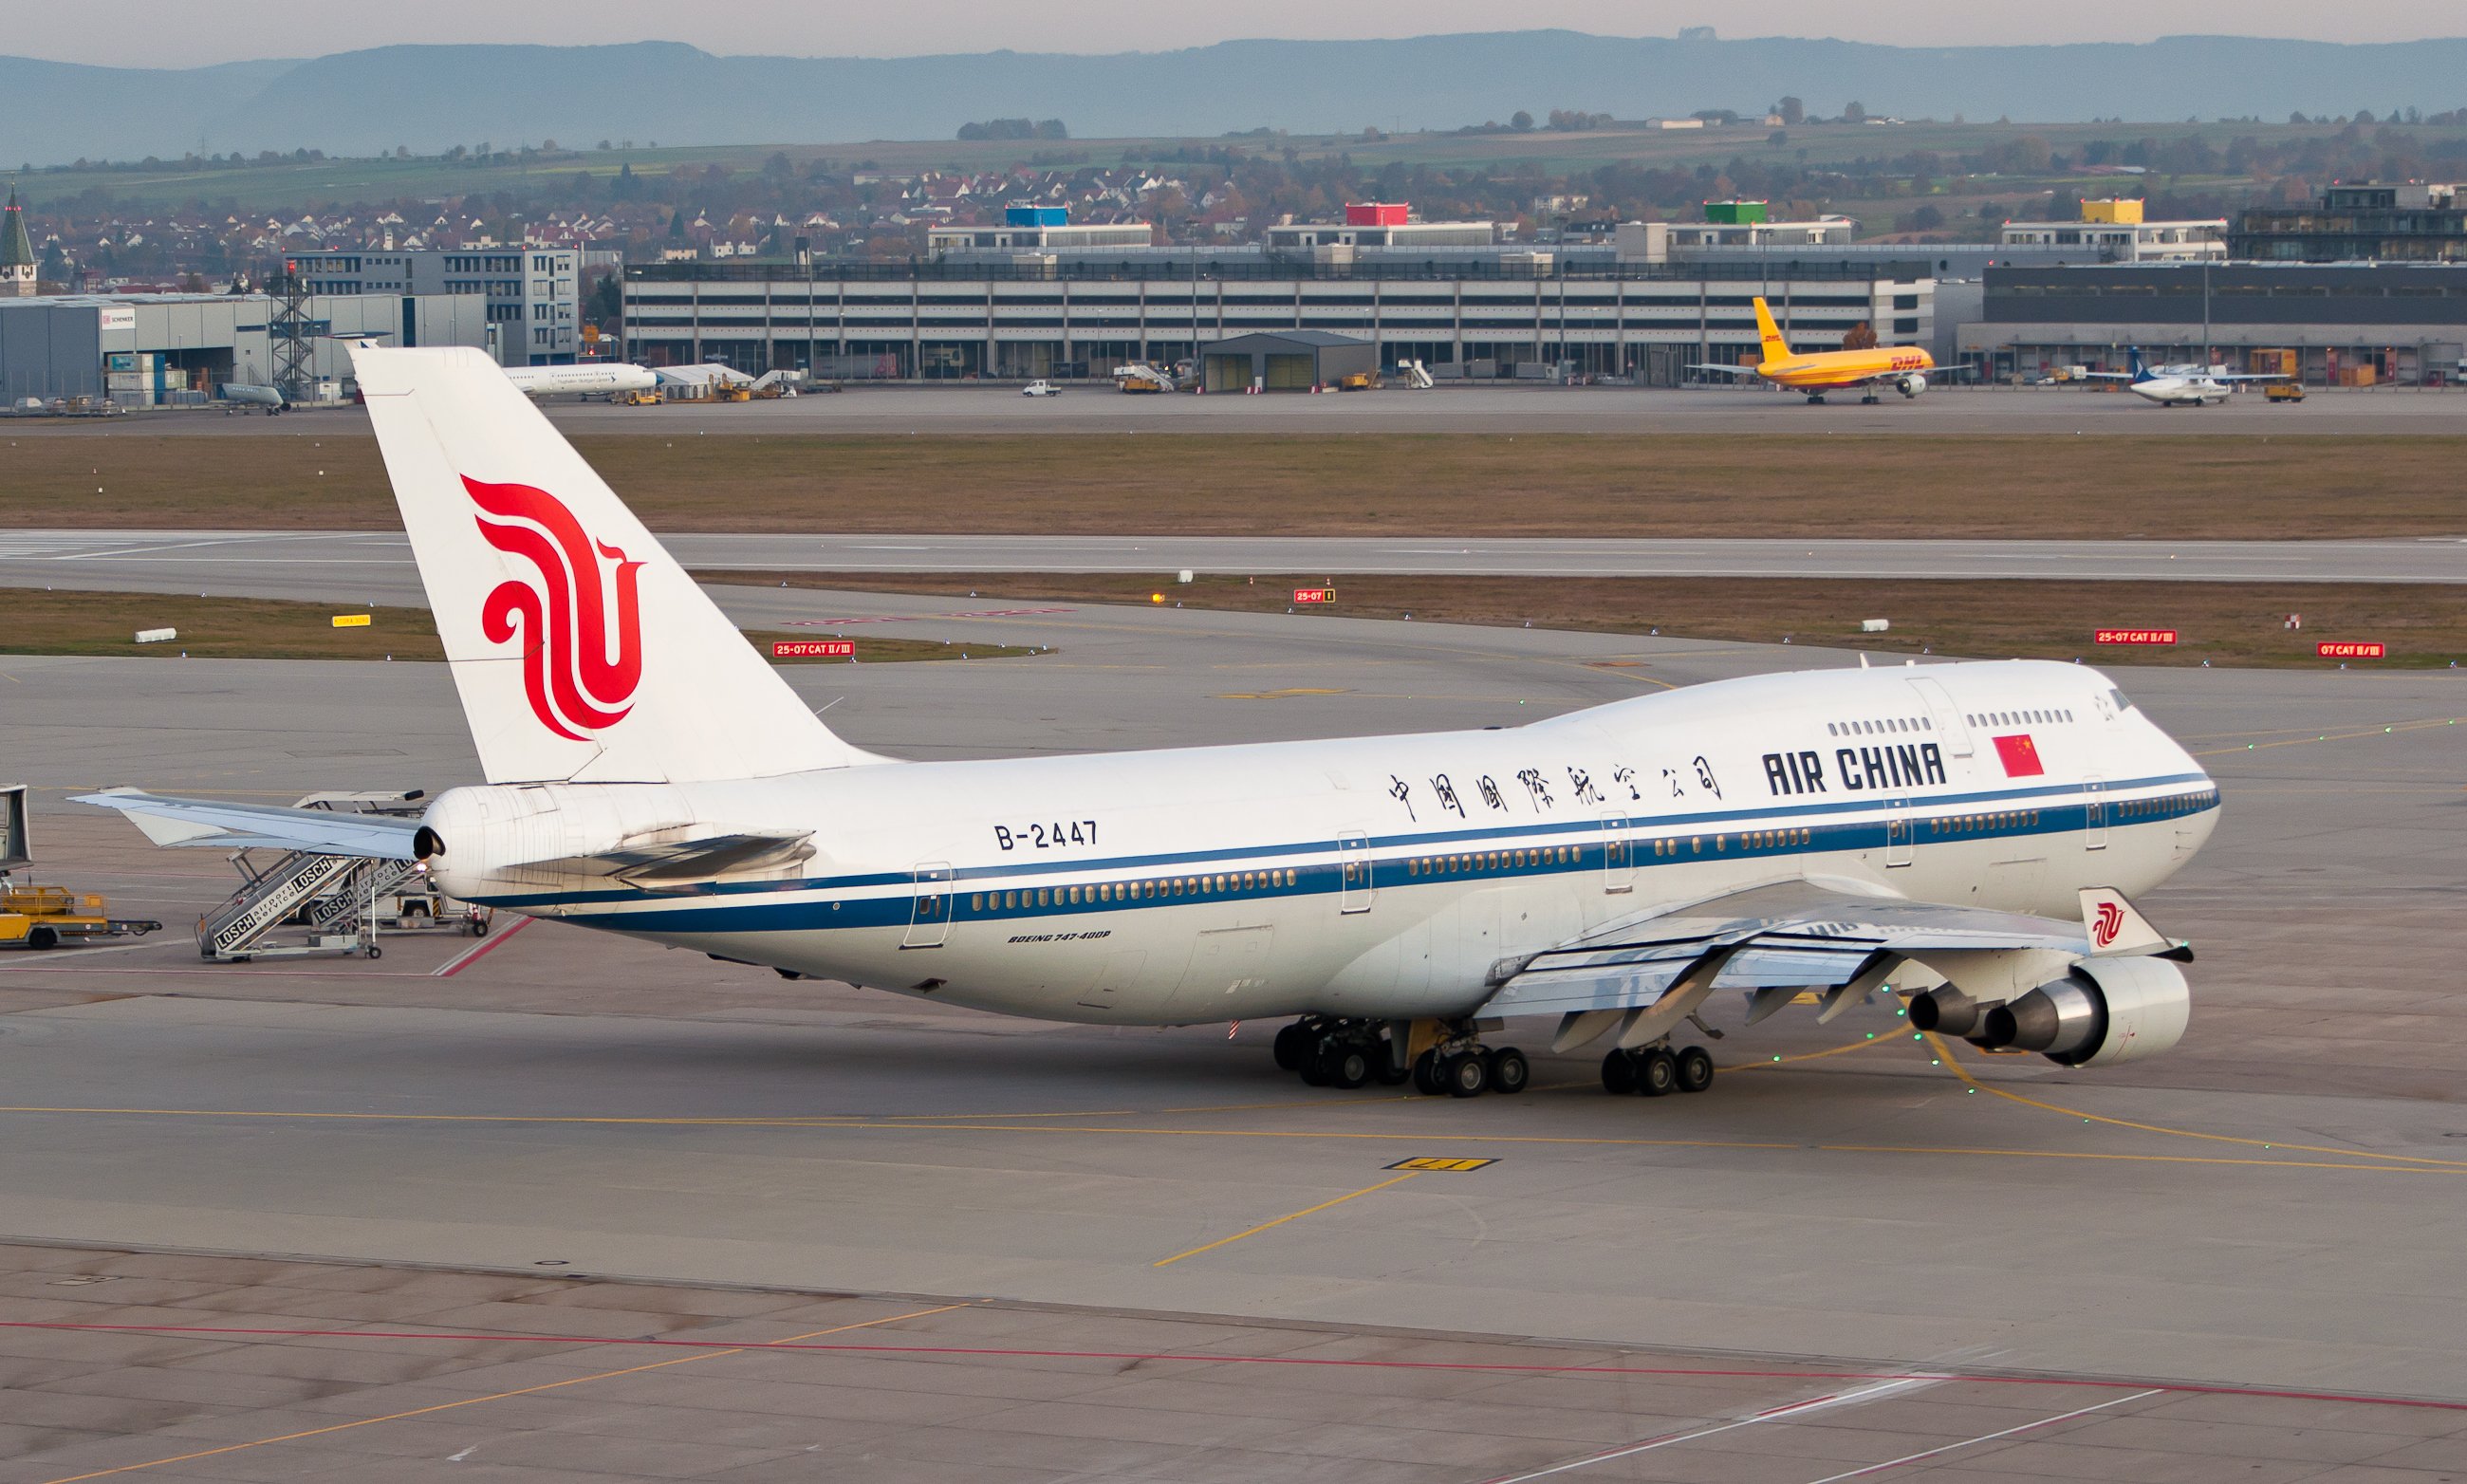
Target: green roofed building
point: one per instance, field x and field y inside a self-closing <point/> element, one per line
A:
<point x="17" y="252"/>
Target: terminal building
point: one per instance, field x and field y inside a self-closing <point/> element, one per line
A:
<point x="1738" y="224"/>
<point x="2342" y="324"/>
<point x="1038" y="228"/>
<point x="2396" y="223"/>
<point x="1476" y="309"/>
<point x="173" y="350"/>
<point x="2113" y="231"/>
<point x="533" y="293"/>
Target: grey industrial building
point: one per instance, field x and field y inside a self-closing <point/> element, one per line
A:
<point x="1469" y="312"/>
<point x="2410" y="222"/>
<point x="159" y="349"/>
<point x="1292" y="360"/>
<point x="533" y="293"/>
<point x="2405" y="320"/>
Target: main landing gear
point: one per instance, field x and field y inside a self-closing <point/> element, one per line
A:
<point x="1330" y="1051"/>
<point x="1656" y="1070"/>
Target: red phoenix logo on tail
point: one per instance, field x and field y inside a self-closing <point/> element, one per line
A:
<point x="583" y="645"/>
<point x="2108" y="922"/>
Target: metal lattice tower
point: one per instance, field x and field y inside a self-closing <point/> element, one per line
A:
<point x="291" y="331"/>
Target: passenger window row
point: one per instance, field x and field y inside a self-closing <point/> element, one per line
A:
<point x="1161" y="889"/>
<point x="1482" y="861"/>
<point x="1873" y="728"/>
<point x="2043" y="717"/>
<point x="1979" y="823"/>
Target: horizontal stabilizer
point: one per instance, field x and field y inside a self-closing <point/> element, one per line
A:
<point x="228" y="826"/>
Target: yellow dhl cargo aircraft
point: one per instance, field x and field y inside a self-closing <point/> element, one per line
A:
<point x="1815" y="372"/>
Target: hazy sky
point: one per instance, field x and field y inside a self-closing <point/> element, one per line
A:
<point x="183" y="32"/>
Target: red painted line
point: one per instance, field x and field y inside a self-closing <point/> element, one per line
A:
<point x="479" y="950"/>
<point x="2186" y="1389"/>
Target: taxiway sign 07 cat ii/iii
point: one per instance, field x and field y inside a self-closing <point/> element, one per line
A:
<point x="1969" y="834"/>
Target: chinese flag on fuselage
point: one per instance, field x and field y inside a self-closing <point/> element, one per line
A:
<point x="2019" y="756"/>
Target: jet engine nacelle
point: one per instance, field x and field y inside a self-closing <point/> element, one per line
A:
<point x="2106" y="1010"/>
<point x="1912" y="385"/>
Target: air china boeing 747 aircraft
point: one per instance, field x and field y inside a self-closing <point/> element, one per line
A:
<point x="1965" y="834"/>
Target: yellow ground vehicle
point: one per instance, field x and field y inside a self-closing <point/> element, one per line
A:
<point x="733" y="392"/>
<point x="38" y="918"/>
<point x="2284" y="392"/>
<point x="1359" y="381"/>
<point x="649" y="397"/>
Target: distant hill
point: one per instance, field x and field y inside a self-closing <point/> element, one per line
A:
<point x="431" y="97"/>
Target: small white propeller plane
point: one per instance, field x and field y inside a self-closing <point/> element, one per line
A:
<point x="1967" y="834"/>
<point x="2180" y="385"/>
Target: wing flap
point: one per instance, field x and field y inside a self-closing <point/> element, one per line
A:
<point x="1792" y="934"/>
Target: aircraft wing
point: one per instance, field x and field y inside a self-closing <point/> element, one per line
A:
<point x="219" y="823"/>
<point x="1723" y="368"/>
<point x="1797" y="935"/>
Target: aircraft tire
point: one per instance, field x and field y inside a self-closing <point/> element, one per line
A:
<point x="1657" y="1072"/>
<point x="1426" y="1074"/>
<point x="1696" y="1070"/>
<point x="1466" y="1074"/>
<point x="1344" y="1064"/>
<point x="1290" y="1047"/>
<point x="1510" y="1071"/>
<point x="1618" y="1074"/>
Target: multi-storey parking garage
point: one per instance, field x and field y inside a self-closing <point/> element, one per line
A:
<point x="1495" y="314"/>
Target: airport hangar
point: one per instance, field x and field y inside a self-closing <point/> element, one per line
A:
<point x="173" y="350"/>
<point x="2331" y="323"/>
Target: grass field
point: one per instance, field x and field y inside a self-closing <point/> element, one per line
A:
<point x="240" y="628"/>
<point x="2234" y="624"/>
<point x="2162" y="486"/>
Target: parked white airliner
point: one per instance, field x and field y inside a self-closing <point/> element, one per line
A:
<point x="591" y="378"/>
<point x="1966" y="833"/>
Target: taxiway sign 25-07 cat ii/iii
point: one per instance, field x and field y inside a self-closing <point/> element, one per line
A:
<point x="1969" y="834"/>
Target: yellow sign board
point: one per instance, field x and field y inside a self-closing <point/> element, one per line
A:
<point x="1428" y="1163"/>
<point x="350" y="620"/>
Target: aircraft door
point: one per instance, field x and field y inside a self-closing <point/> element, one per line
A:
<point x="2094" y="813"/>
<point x="1898" y="834"/>
<point x="1618" y="855"/>
<point x="929" y="915"/>
<point x="1949" y="723"/>
<point x="1353" y="873"/>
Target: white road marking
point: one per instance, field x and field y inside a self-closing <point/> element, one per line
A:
<point x="1986" y="1437"/>
<point x="1776" y="1414"/>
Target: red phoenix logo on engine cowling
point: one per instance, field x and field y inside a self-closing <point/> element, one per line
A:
<point x="582" y="661"/>
<point x="2109" y="921"/>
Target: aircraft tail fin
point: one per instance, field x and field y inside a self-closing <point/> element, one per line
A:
<point x="581" y="650"/>
<point x="1769" y="334"/>
<point x="2139" y="368"/>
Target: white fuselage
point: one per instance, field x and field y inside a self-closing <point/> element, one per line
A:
<point x="2181" y="390"/>
<point x="1375" y="877"/>
<point x="591" y="379"/>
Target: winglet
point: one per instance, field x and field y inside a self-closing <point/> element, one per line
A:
<point x="2117" y="927"/>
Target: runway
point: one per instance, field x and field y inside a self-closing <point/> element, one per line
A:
<point x="1000" y="409"/>
<point x="377" y="566"/>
